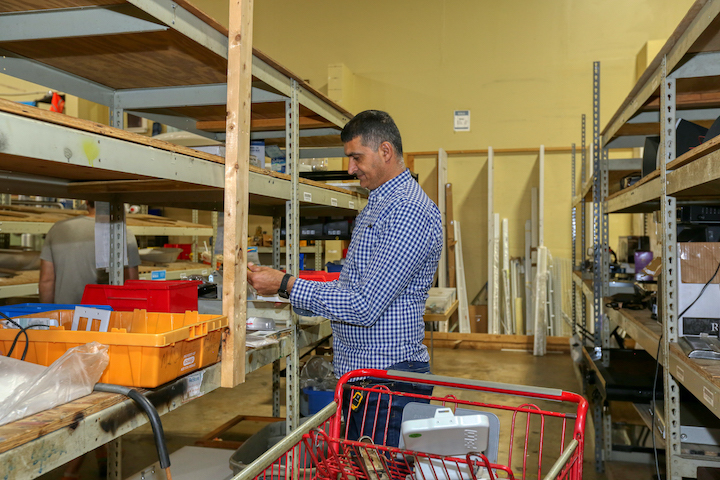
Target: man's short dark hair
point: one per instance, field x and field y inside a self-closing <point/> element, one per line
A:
<point x="90" y="203"/>
<point x="373" y="127"/>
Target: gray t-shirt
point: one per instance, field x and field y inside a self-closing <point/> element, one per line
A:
<point x="70" y="246"/>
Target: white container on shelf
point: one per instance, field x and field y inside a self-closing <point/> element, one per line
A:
<point x="440" y="299"/>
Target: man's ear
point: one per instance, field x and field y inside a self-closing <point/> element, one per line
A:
<point x="387" y="152"/>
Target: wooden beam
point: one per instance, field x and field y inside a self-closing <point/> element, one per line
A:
<point x="410" y="162"/>
<point x="496" y="151"/>
<point x="452" y="281"/>
<point x="487" y="341"/>
<point x="265" y="124"/>
<point x="122" y="186"/>
<point x="237" y="148"/>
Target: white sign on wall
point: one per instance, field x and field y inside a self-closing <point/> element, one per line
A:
<point x="462" y="121"/>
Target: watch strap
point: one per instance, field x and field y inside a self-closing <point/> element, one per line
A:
<point x="282" y="291"/>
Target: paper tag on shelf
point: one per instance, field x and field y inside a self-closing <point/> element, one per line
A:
<point x="307" y="196"/>
<point x="333" y="202"/>
<point x="679" y="374"/>
<point x="709" y="396"/>
<point x="194" y="382"/>
<point x="351" y="204"/>
<point x="158" y="275"/>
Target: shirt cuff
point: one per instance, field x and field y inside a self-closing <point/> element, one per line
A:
<point x="301" y="295"/>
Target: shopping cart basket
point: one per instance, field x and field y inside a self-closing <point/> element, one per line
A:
<point x="537" y="441"/>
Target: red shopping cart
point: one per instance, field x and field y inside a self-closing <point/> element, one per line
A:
<point x="530" y="440"/>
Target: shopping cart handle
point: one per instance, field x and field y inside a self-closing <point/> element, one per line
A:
<point x="546" y="393"/>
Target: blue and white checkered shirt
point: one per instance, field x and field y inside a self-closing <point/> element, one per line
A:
<point x="377" y="305"/>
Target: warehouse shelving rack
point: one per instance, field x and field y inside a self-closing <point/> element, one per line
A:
<point x="168" y="62"/>
<point x="681" y="82"/>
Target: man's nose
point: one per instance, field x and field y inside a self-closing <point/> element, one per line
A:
<point x="352" y="167"/>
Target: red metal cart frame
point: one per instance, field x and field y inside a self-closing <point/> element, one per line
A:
<point x="320" y="450"/>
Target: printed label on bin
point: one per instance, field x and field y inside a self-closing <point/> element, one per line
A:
<point x="194" y="382"/>
<point x="188" y="361"/>
<point x="158" y="275"/>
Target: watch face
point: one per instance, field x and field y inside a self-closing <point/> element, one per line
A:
<point x="283" y="294"/>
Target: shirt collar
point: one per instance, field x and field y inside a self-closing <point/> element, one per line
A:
<point x="390" y="185"/>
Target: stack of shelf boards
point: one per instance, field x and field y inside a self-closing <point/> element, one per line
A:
<point x="82" y="159"/>
<point x="692" y="57"/>
<point x="38" y="221"/>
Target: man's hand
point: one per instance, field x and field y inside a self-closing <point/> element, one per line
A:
<point x="266" y="280"/>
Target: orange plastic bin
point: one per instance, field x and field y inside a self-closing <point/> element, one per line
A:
<point x="147" y="349"/>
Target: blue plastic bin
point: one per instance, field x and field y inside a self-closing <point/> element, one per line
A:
<point x="317" y="399"/>
<point x="30" y="308"/>
<point x="331" y="267"/>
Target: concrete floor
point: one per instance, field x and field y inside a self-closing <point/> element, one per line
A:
<point x="185" y="425"/>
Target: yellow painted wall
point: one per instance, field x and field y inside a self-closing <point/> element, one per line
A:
<point x="523" y="68"/>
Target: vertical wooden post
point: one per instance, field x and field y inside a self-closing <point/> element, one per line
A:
<point x="410" y="162"/>
<point x="237" y="148"/>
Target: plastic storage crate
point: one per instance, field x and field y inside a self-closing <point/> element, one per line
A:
<point x="146" y="349"/>
<point x="174" y="296"/>
<point x="31" y="308"/>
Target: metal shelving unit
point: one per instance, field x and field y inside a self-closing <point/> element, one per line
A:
<point x="679" y="83"/>
<point x="167" y="62"/>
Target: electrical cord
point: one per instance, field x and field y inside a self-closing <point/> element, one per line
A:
<point x="701" y="291"/>
<point x="652" y="427"/>
<point x="22" y="330"/>
<point x="153" y="418"/>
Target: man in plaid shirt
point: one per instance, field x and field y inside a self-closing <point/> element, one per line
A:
<point x="377" y="305"/>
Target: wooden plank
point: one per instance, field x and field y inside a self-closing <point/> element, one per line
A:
<point x="451" y="243"/>
<point x="100" y="129"/>
<point x="410" y="162"/>
<point x="25" y="5"/>
<point x="121" y="186"/>
<point x="29" y="428"/>
<point x="237" y="148"/>
<point x="490" y="244"/>
<point x="265" y="124"/>
<point x="441" y="181"/>
<point x="463" y="310"/>
<point x="487" y="341"/>
<point x="496" y="151"/>
<point x="442" y="317"/>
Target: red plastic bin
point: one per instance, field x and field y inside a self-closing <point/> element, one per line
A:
<point x="319" y="275"/>
<point x="173" y="296"/>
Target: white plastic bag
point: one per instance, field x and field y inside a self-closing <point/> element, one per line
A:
<point x="26" y="388"/>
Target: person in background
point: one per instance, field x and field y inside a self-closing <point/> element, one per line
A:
<point x="67" y="260"/>
<point x="67" y="264"/>
<point x="376" y="306"/>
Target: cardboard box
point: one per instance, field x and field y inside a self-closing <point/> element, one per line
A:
<point x="267" y="240"/>
<point x="478" y="318"/>
<point x="698" y="262"/>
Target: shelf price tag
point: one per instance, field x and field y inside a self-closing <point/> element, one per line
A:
<point x="333" y="202"/>
<point x="680" y="374"/>
<point x="307" y="196"/>
<point x="351" y="204"/>
<point x="158" y="275"/>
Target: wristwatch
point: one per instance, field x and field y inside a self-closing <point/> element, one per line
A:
<point x="282" y="291"/>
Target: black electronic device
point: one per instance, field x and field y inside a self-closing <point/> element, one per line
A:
<point x="714" y="130"/>
<point x="688" y="135"/>
<point x="700" y="214"/>
<point x="698" y="233"/>
<point x="628" y="245"/>
<point x="629" y="180"/>
<point x="650" y="153"/>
